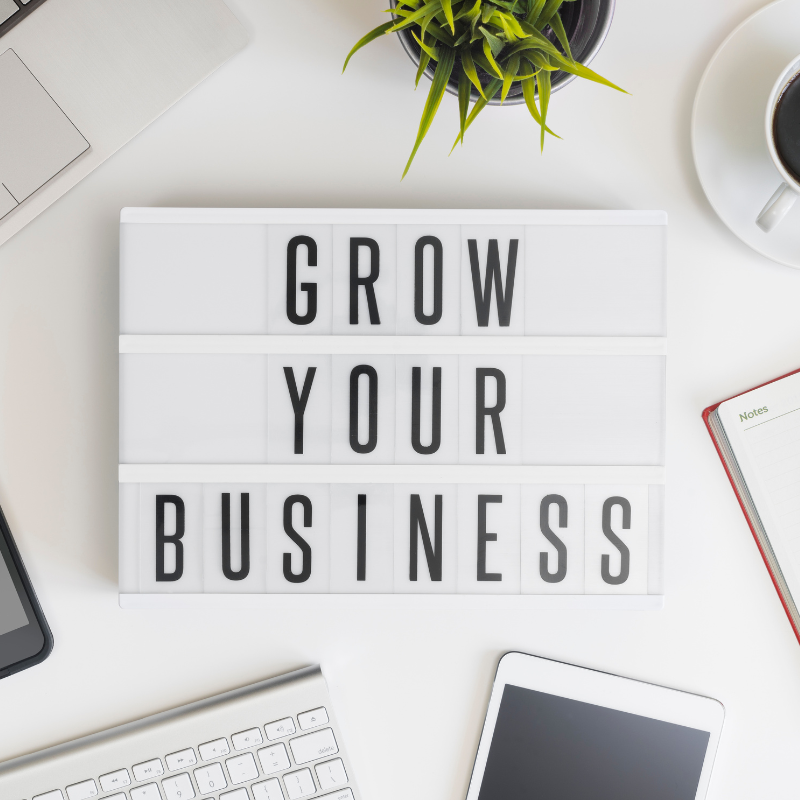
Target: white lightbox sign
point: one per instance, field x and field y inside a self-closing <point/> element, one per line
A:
<point x="350" y="402"/>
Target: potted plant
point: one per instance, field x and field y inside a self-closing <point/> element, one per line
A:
<point x="491" y="52"/>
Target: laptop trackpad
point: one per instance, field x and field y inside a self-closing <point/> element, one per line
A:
<point x="37" y="139"/>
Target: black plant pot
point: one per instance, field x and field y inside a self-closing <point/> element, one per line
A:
<point x="586" y="23"/>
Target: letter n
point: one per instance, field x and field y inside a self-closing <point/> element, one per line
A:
<point x="418" y="529"/>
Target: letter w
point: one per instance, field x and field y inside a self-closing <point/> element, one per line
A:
<point x="483" y="300"/>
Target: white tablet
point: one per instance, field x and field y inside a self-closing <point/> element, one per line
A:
<point x="562" y="732"/>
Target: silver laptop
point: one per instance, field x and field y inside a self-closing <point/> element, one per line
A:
<point x="80" y="78"/>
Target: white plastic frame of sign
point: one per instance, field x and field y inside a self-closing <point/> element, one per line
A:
<point x="560" y="312"/>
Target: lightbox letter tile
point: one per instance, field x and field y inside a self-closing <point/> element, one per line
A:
<point x="553" y="539"/>
<point x="171" y="538"/>
<point x="298" y="538"/>
<point x="428" y="280"/>
<point x="425" y="538"/>
<point x="364" y="280"/>
<point x="299" y="413"/>
<point x="362" y="538"/>
<point x="490" y="409"/>
<point x="616" y="539"/>
<point x="488" y="539"/>
<point x="300" y="269"/>
<point x="363" y="409"/>
<point x="426" y="409"/>
<point x="235" y="538"/>
<point x="492" y="280"/>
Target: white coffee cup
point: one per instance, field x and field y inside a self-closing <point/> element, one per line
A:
<point x="786" y="194"/>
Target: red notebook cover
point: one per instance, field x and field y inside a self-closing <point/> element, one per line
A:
<point x="706" y="414"/>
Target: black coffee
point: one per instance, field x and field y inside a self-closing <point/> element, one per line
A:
<point x="786" y="127"/>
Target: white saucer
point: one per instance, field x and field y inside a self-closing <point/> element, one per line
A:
<point x="728" y="140"/>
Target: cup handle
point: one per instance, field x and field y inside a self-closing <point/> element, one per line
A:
<point x="777" y="208"/>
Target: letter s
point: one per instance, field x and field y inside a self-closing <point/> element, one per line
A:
<point x="624" y="552"/>
<point x="561" y="550"/>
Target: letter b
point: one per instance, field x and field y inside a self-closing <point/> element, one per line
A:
<point x="163" y="539"/>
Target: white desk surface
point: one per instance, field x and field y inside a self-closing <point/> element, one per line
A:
<point x="279" y="126"/>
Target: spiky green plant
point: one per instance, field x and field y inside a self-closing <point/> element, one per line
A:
<point x="488" y="45"/>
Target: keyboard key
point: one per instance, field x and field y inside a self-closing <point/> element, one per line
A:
<point x="239" y="794"/>
<point x="149" y="792"/>
<point x="280" y="728"/>
<point x="7" y="9"/>
<point x="82" y="791"/>
<point x="148" y="770"/>
<point x="181" y="760"/>
<point x="268" y="790"/>
<point x="312" y="719"/>
<point x="299" y="784"/>
<point x="245" y="739"/>
<point x="210" y="779"/>
<point x="215" y="749"/>
<point x="115" y="780"/>
<point x="242" y="768"/>
<point x="331" y="774"/>
<point x="120" y="796"/>
<point x="342" y="794"/>
<point x="54" y="795"/>
<point x="313" y="746"/>
<point x="178" y="788"/>
<point x="273" y="759"/>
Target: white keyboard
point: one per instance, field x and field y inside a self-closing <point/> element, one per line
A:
<point x="274" y="740"/>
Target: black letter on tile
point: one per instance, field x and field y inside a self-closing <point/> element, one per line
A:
<point x="433" y="552"/>
<point x="367" y="282"/>
<point x="436" y="411"/>
<point x="305" y="572"/>
<point x="227" y="569"/>
<point x="481" y="412"/>
<point x="299" y="402"/>
<point x="162" y="539"/>
<point x="419" y="280"/>
<point x="372" y="438"/>
<point x="483" y="301"/>
<point x="484" y="537"/>
<point x="291" y="281"/>
<point x="561" y="548"/>
<point x="361" y="566"/>
<point x="625" y="553"/>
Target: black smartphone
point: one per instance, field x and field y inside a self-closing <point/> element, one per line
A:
<point x="25" y="637"/>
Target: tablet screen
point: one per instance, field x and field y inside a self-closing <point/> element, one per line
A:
<point x="12" y="614"/>
<point x="560" y="749"/>
<point x="25" y="637"/>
